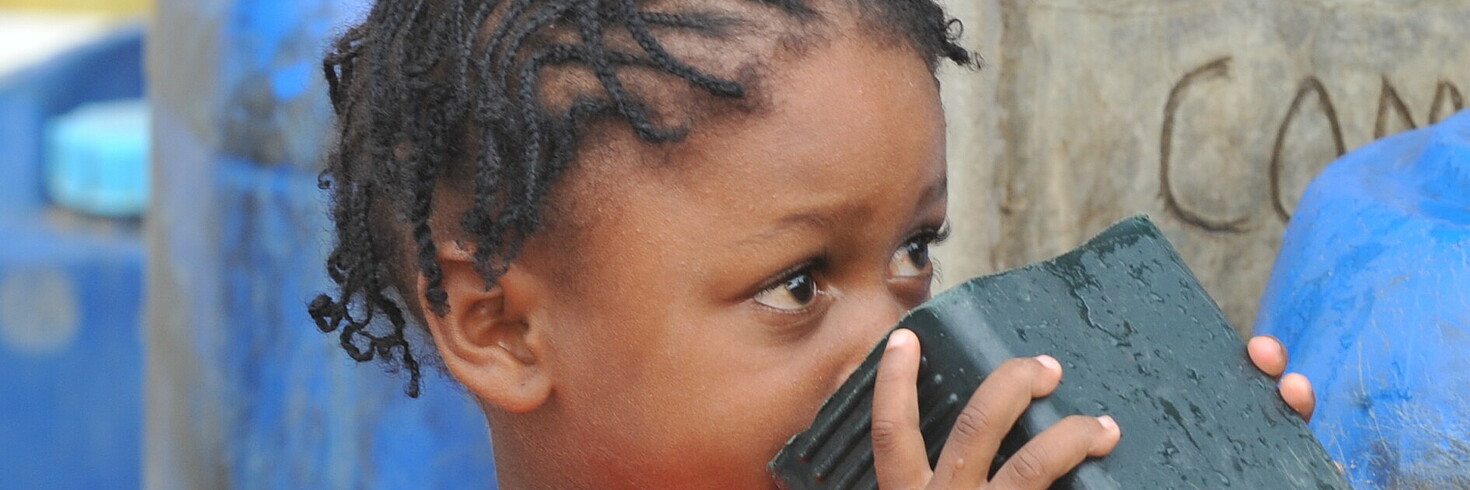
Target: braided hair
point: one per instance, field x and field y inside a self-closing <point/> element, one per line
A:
<point x="437" y="94"/>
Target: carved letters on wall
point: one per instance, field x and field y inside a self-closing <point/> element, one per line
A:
<point x="1448" y="98"/>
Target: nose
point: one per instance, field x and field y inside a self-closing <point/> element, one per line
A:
<point x="865" y="321"/>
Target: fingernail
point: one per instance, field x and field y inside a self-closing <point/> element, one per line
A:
<point x="1108" y="423"/>
<point x="1110" y="427"/>
<point x="1050" y="362"/>
<point x="898" y="339"/>
<point x="1299" y="378"/>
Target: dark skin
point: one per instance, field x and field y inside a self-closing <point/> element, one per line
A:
<point x="692" y="305"/>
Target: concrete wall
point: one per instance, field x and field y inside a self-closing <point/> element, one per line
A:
<point x="1210" y="115"/>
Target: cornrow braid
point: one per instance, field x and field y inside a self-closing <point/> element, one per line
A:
<point x="429" y="93"/>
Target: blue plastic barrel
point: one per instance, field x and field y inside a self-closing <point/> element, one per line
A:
<point x="110" y="68"/>
<point x="71" y="288"/>
<point x="1371" y="295"/>
<point x="70" y="299"/>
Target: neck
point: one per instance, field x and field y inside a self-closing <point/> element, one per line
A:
<point x="515" y="457"/>
<point x="529" y="455"/>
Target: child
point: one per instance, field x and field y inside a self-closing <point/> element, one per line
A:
<point x="651" y="238"/>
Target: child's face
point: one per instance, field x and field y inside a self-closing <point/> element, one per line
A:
<point x="704" y="307"/>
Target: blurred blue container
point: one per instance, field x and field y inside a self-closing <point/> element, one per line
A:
<point x="108" y="69"/>
<point x="97" y="159"/>
<point x="70" y="295"/>
<point x="70" y="292"/>
<point x="1371" y="295"/>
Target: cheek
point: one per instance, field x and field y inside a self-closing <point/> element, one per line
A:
<point x="695" y="395"/>
<point x="755" y="392"/>
<point x="734" y="406"/>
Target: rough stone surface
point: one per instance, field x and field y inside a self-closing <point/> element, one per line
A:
<point x="1212" y="116"/>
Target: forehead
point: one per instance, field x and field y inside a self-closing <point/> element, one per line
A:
<point x="830" y="112"/>
<point x="847" y="125"/>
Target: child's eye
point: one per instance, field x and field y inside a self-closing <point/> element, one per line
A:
<point x="795" y="292"/>
<point x="912" y="258"/>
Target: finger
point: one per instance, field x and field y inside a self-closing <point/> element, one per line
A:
<point x="899" y="457"/>
<point x="1057" y="450"/>
<point x="1297" y="391"/>
<point x="988" y="416"/>
<point x="1268" y="355"/>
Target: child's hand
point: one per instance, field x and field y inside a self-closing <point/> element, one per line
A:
<point x="1270" y="356"/>
<point x="898" y="448"/>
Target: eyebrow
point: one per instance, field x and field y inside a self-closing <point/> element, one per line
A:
<point x="812" y="219"/>
<point x="797" y="221"/>
<point x="937" y="189"/>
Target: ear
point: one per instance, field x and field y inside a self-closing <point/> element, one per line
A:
<point x="484" y="337"/>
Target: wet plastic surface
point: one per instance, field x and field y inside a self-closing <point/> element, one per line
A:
<point x="1139" y="340"/>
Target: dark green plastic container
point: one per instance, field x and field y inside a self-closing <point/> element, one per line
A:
<point x="1139" y="339"/>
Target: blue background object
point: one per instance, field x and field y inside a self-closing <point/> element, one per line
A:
<point x="70" y="292"/>
<point x="97" y="158"/>
<point x="109" y="69"/>
<point x="1371" y="295"/>
<point x="243" y="391"/>
<point x="70" y="296"/>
